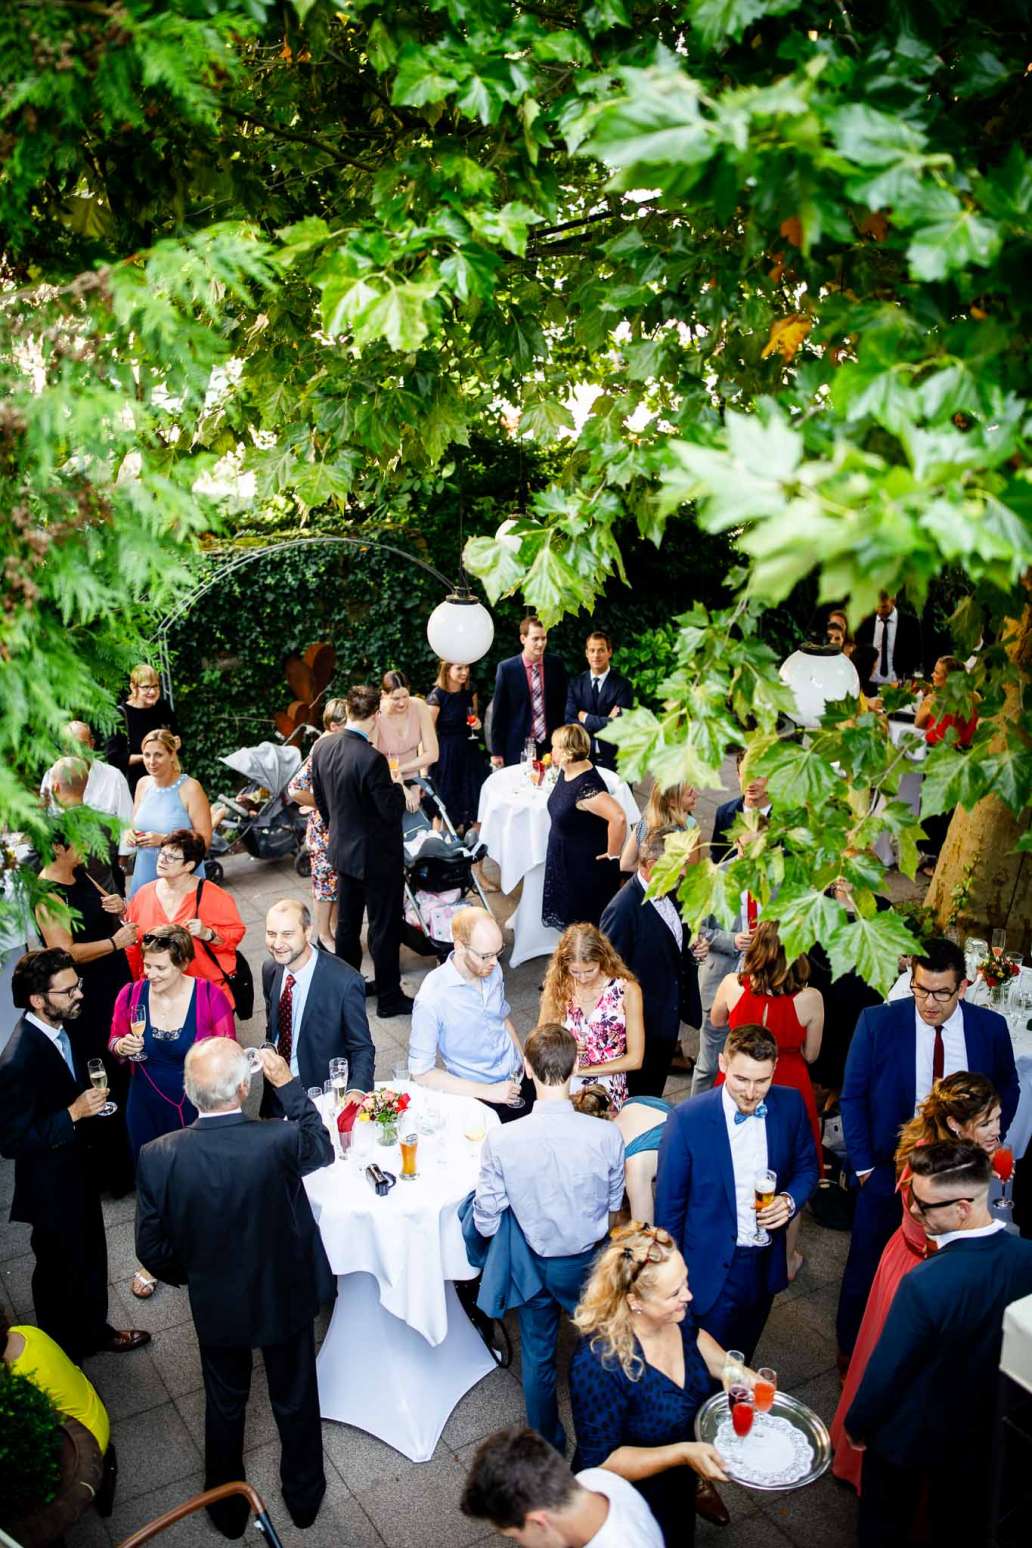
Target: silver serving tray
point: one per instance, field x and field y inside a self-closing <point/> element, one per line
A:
<point x="810" y="1425"/>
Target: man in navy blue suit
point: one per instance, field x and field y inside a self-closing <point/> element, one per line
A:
<point x="529" y="697"/>
<point x="753" y="798"/>
<point x="713" y="1147"/>
<point x="924" y="1409"/>
<point x="598" y="696"/>
<point x="898" y="1051"/>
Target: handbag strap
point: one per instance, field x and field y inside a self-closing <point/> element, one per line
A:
<point x="201" y="941"/>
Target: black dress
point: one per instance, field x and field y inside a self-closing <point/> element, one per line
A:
<point x="460" y="769"/>
<point x="577" y="886"/>
<point x="127" y="740"/>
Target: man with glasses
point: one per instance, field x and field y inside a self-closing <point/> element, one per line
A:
<point x="44" y="1100"/>
<point x="461" y="1015"/>
<point x="898" y="1052"/>
<point x="924" y="1409"/>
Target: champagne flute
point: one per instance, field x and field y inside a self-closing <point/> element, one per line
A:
<point x="339" y="1081"/>
<point x="733" y="1372"/>
<point x="742" y="1410"/>
<point x="97" y="1071"/>
<point x="516" y="1102"/>
<point x="765" y="1184"/>
<point x="764" y="1390"/>
<point x="138" y="1026"/>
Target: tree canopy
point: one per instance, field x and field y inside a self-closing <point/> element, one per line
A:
<point x="777" y="248"/>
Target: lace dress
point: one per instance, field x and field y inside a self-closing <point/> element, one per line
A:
<point x="577" y="885"/>
<point x="601" y="1036"/>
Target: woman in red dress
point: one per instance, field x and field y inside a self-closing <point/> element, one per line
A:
<point x="963" y="1106"/>
<point x="773" y="993"/>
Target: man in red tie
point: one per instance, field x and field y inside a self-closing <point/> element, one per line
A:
<point x="898" y="1051"/>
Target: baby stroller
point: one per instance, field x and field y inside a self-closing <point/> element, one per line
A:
<point x="259" y="816"/>
<point x="439" y="874"/>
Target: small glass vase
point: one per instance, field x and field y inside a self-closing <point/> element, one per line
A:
<point x="388" y="1133"/>
<point x="998" y="997"/>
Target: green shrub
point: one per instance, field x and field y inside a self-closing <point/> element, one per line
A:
<point x="30" y="1446"/>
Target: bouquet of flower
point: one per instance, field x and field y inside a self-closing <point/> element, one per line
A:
<point x="996" y="968"/>
<point x="384" y="1107"/>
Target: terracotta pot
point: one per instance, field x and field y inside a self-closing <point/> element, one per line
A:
<point x="82" y="1466"/>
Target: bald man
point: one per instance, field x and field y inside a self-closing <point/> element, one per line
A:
<point x="222" y="1208"/>
<point x="105" y="789"/>
<point x="315" y="1006"/>
<point x="69" y="781"/>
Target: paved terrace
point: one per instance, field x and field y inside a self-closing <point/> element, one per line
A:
<point x="375" y="1497"/>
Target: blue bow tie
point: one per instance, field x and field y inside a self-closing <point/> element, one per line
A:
<point x="761" y="1112"/>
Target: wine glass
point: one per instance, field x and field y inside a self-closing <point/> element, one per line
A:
<point x="1003" y="1166"/>
<point x="765" y="1185"/>
<point x="999" y="940"/>
<point x="764" y="1389"/>
<point x="516" y="1102"/>
<point x="138" y="1026"/>
<point x="97" y="1071"/>
<point x="471" y="721"/>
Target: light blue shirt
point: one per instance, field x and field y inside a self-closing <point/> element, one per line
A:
<point x="302" y="984"/>
<point x="559" y="1171"/>
<point x="465" y="1024"/>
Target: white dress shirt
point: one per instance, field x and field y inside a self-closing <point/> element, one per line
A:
<point x="954" y="1049"/>
<point x="667" y="911"/>
<point x="880" y="625"/>
<point x="748" y="1143"/>
<point x="600" y="680"/>
<point x="967" y="1236"/>
<point x="54" y="1034"/>
<point x="302" y="984"/>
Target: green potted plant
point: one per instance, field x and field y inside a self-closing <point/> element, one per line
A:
<point x="50" y="1465"/>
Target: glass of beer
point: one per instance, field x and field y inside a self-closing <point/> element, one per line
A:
<point x="97" y="1071"/>
<point x="138" y="1026"/>
<point x="408" y="1157"/>
<point x="765" y="1185"/>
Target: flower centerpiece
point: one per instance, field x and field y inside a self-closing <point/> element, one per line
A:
<point x="384" y="1107"/>
<point x="997" y="969"/>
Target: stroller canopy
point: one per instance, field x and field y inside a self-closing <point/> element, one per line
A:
<point x="270" y="764"/>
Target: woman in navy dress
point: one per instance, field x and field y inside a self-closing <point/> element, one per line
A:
<point x="588" y="828"/>
<point x="461" y="766"/>
<point x="640" y="1374"/>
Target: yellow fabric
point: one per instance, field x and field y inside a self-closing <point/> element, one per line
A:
<point x="46" y="1364"/>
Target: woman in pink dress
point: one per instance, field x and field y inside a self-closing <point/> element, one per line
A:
<point x="405" y="734"/>
<point x="590" y="989"/>
<point x="963" y="1106"/>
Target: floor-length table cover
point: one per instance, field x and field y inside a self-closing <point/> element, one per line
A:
<point x="400" y="1351"/>
<point x="514" y="826"/>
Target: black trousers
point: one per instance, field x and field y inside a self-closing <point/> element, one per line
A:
<point x="655" y="1067"/>
<point x="70" y="1279"/>
<point x="957" y="1511"/>
<point x="294" y="1394"/>
<point x="382" y="898"/>
<point x="506" y="1114"/>
<point x="876" y="1217"/>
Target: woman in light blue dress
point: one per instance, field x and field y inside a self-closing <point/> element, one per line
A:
<point x="640" y="1121"/>
<point x="166" y="799"/>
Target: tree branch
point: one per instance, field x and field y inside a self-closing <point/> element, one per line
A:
<point x="281" y="133"/>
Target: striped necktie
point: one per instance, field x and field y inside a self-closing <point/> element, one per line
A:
<point x="538" y="729"/>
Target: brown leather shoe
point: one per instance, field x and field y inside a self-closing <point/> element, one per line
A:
<point x="709" y="1505"/>
<point x="121" y="1343"/>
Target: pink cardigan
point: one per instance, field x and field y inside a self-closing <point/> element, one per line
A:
<point x="214" y="1012"/>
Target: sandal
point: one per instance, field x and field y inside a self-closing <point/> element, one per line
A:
<point x="143" y="1286"/>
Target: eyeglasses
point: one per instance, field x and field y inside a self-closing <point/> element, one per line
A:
<point x="924" y="1209"/>
<point x="941" y="996"/>
<point x="72" y="988"/>
<point x="483" y="956"/>
<point x="170" y="854"/>
<point x="655" y="1252"/>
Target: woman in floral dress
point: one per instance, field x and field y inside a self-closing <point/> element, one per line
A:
<point x="317" y="835"/>
<point x="593" y="993"/>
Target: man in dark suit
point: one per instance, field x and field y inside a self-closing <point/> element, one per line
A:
<point x="898" y="1051"/>
<point x="222" y="1208"/>
<point x="713" y="1145"/>
<point x="655" y="943"/>
<point x="896" y="638"/>
<point x="925" y="1407"/>
<point x="315" y="1007"/>
<point x="597" y="696"/>
<point x="753" y="798"/>
<point x="42" y="1109"/>
<point x="362" y="806"/>
<point x="529" y="697"/>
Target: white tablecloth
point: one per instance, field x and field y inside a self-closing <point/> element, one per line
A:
<point x="400" y="1352"/>
<point x="514" y="826"/>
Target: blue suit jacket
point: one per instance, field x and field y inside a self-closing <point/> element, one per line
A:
<point x="615" y="690"/>
<point x="695" y="1185"/>
<point x="879" y="1091"/>
<point x="928" y="1394"/>
<point x="510" y="713"/>
<point x="720" y="845"/>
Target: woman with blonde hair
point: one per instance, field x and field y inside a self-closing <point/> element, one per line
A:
<point x="640" y="1374"/>
<point x="590" y="989"/>
<point x="167" y="800"/>
<point x="585" y="837"/>
<point x="144" y="710"/>
<point x="670" y="808"/>
<point x="963" y="1106"/>
<point x="317" y="834"/>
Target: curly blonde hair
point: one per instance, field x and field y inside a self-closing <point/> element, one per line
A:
<point x="765" y="967"/>
<point x="578" y="943"/>
<point x="964" y="1096"/>
<point x="628" y="1262"/>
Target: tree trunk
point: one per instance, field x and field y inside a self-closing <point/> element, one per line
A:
<point x="980" y="843"/>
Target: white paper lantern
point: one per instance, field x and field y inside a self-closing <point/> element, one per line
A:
<point x="818" y="675"/>
<point x="460" y="629"/>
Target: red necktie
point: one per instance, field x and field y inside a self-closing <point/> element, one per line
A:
<point x="938" y="1057"/>
<point x="751" y="911"/>
<point x="538" y="729"/>
<point x="286" y="1019"/>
